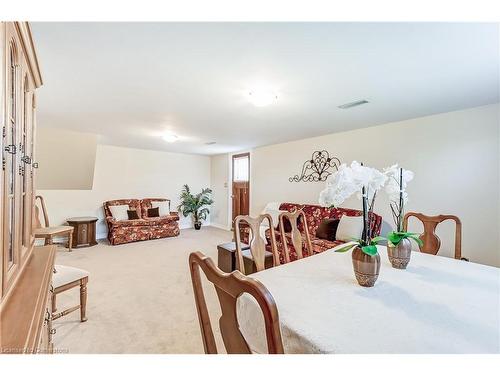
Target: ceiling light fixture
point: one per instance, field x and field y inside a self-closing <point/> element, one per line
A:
<point x="170" y="138"/>
<point x="262" y="95"/>
<point x="353" y="104"/>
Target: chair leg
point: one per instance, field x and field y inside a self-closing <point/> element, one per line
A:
<point x="83" y="299"/>
<point x="54" y="308"/>
<point x="49" y="240"/>
<point x="70" y="241"/>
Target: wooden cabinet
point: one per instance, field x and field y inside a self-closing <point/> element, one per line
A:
<point x="25" y="274"/>
<point x="84" y="231"/>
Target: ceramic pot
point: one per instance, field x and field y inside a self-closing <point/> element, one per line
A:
<point x="399" y="255"/>
<point x="366" y="267"/>
<point x="197" y="225"/>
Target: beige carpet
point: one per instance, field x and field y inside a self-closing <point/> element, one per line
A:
<point x="140" y="297"/>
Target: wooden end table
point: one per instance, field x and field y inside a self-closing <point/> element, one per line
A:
<point x="84" y="232"/>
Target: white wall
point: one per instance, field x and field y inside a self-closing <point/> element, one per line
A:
<point x="129" y="173"/>
<point x="220" y="185"/>
<point x="66" y="159"/>
<point x="455" y="157"/>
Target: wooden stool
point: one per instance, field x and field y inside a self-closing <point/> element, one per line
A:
<point x="226" y="259"/>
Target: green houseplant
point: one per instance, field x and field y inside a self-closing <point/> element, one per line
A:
<point x="196" y="205"/>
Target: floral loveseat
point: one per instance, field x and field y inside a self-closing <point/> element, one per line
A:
<point x="144" y="228"/>
<point x="314" y="215"/>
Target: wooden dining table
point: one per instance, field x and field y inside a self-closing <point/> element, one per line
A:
<point x="436" y="305"/>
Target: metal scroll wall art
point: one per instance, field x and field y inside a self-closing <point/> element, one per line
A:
<point x="318" y="168"/>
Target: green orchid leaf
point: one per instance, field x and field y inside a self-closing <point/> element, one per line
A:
<point x="345" y="247"/>
<point x="370" y="250"/>
<point x="394" y="237"/>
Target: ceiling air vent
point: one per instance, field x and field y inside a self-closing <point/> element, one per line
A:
<point x="353" y="104"/>
<point x="210" y="143"/>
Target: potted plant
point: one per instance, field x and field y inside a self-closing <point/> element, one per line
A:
<point x="398" y="241"/>
<point x="366" y="182"/>
<point x="196" y="205"/>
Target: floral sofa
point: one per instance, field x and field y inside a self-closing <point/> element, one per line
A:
<point x="314" y="215"/>
<point x="144" y="228"/>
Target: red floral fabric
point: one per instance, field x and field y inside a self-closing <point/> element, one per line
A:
<point x="165" y="230"/>
<point x="121" y="235"/>
<point x="314" y="215"/>
<point x="174" y="216"/>
<point x="124" y="231"/>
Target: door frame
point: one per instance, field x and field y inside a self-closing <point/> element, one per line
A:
<point x="236" y="156"/>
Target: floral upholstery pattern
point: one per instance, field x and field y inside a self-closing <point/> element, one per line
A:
<point x="314" y="215"/>
<point x="162" y="220"/>
<point x="142" y="229"/>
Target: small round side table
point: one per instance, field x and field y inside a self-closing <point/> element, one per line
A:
<point x="84" y="232"/>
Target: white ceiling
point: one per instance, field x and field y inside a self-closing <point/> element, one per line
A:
<point x="130" y="82"/>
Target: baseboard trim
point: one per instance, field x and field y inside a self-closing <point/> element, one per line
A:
<point x="220" y="226"/>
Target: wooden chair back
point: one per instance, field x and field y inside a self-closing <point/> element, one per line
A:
<point x="37" y="222"/>
<point x="229" y="287"/>
<point x="432" y="242"/>
<point x="257" y="243"/>
<point x="296" y="236"/>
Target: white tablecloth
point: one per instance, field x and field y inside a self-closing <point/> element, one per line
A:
<point x="436" y="305"/>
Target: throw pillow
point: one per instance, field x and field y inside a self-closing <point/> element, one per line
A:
<point x="349" y="227"/>
<point x="119" y="212"/>
<point x="132" y="215"/>
<point x="163" y="206"/>
<point x="327" y="229"/>
<point x="153" y="212"/>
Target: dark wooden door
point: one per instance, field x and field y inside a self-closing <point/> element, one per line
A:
<point x="241" y="184"/>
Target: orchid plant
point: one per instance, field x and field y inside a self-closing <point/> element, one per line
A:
<point x="364" y="181"/>
<point x="395" y="188"/>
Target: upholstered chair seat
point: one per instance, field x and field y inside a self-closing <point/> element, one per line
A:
<point x="65" y="275"/>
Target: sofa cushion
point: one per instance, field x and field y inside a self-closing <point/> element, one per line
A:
<point x="327" y="229"/>
<point x="163" y="207"/>
<point x="162" y="220"/>
<point x="320" y="245"/>
<point x="119" y="212"/>
<point x="314" y="215"/>
<point x="349" y="228"/>
<point x="132" y="204"/>
<point x="127" y="223"/>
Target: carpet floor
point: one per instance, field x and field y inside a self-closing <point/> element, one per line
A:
<point x="140" y="297"/>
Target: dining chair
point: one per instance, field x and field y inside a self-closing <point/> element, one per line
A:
<point x="65" y="278"/>
<point x="229" y="287"/>
<point x="431" y="242"/>
<point x="297" y="239"/>
<point x="257" y="252"/>
<point x="47" y="232"/>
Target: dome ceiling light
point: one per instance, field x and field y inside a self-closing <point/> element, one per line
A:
<point x="170" y="138"/>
